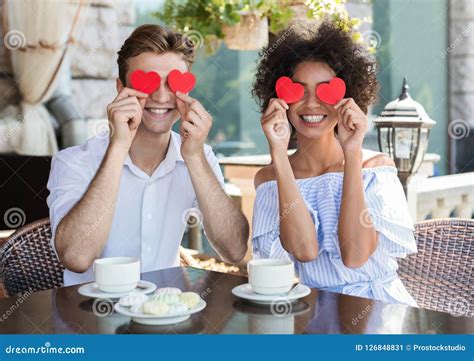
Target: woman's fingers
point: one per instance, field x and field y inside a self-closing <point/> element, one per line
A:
<point x="348" y="115"/>
<point x="274" y="104"/>
<point x="342" y="102"/>
<point x="276" y="114"/>
<point x="350" y="119"/>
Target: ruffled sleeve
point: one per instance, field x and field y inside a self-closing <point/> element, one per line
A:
<point x="266" y="223"/>
<point x="388" y="209"/>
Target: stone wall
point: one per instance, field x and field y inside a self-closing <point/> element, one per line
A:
<point x="103" y="26"/>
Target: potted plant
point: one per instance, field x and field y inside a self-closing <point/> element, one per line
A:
<point x="243" y="24"/>
<point x="202" y="21"/>
<point x="247" y="24"/>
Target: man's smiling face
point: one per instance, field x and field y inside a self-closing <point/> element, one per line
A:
<point x="160" y="111"/>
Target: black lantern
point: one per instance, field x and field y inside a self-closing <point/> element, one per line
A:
<point x="403" y="129"/>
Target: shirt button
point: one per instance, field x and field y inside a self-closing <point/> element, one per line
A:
<point x="149" y="216"/>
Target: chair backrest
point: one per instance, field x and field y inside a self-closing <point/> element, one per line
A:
<point x="28" y="262"/>
<point x="23" y="189"/>
<point x="439" y="276"/>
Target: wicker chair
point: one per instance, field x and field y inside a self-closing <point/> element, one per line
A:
<point x="440" y="275"/>
<point x="28" y="262"/>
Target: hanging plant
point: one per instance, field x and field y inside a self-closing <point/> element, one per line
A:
<point x="240" y="22"/>
<point x="336" y="10"/>
<point x="245" y="24"/>
<point x="202" y="21"/>
<point x="250" y="33"/>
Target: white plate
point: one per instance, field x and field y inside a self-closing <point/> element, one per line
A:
<point x="168" y="319"/>
<point x="92" y="290"/>
<point x="245" y="291"/>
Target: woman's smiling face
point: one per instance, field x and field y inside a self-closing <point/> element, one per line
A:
<point x="311" y="117"/>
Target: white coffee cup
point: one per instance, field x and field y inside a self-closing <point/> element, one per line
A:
<point x="271" y="276"/>
<point x="117" y="274"/>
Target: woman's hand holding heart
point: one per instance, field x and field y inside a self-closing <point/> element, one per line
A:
<point x="276" y="126"/>
<point x="195" y="125"/>
<point x="352" y="125"/>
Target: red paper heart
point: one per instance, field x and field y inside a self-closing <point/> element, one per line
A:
<point x="183" y="82"/>
<point x="145" y="82"/>
<point x="288" y="91"/>
<point x="333" y="92"/>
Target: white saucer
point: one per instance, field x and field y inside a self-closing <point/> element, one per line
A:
<point x="245" y="291"/>
<point x="168" y="319"/>
<point x="93" y="291"/>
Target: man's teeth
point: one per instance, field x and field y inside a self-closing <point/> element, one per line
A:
<point x="313" y="118"/>
<point x="157" y="110"/>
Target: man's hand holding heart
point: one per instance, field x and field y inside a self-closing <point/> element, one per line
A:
<point x="195" y="125"/>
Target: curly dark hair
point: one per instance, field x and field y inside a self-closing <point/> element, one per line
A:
<point x="328" y="44"/>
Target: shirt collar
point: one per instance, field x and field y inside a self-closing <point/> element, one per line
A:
<point x="173" y="155"/>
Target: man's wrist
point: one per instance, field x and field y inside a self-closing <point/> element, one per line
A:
<point x="195" y="158"/>
<point x="116" y="151"/>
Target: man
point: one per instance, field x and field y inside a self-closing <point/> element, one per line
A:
<point x="129" y="194"/>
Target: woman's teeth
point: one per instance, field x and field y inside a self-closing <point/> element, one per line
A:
<point x="158" y="110"/>
<point x="313" y="118"/>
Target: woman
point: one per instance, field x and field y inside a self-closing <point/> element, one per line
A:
<point x="337" y="210"/>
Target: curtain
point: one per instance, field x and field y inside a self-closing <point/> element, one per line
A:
<point x="37" y="34"/>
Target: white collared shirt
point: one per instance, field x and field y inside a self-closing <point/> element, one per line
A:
<point x="150" y="214"/>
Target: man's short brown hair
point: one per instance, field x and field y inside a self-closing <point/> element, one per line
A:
<point x="154" y="39"/>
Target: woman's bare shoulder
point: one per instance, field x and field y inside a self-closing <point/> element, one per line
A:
<point x="373" y="159"/>
<point x="263" y="175"/>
